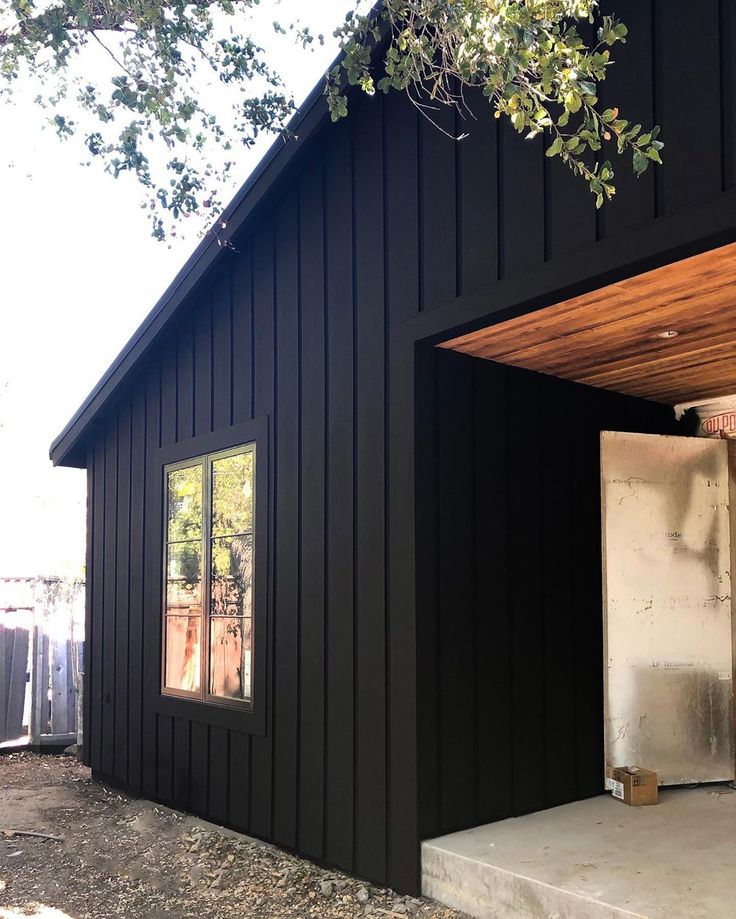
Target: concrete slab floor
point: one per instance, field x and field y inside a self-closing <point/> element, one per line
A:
<point x="595" y="859"/>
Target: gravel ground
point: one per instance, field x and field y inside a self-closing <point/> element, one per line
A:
<point x="122" y="857"/>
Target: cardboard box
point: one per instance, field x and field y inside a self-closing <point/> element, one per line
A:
<point x="634" y="785"/>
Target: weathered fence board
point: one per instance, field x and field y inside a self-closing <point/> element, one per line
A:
<point x="54" y="704"/>
<point x="37" y="664"/>
<point x="3" y="684"/>
<point x="7" y="652"/>
<point x="15" y="656"/>
<point x="40" y="661"/>
<point x="59" y="688"/>
<point x="53" y="670"/>
<point x="44" y="676"/>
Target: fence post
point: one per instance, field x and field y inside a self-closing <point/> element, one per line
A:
<point x="79" y="672"/>
<point x="59" y="687"/>
<point x="4" y="679"/>
<point x="38" y="697"/>
<point x="17" y="688"/>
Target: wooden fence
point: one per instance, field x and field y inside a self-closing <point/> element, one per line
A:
<point x="54" y="689"/>
<point x="13" y="681"/>
<point x="40" y="680"/>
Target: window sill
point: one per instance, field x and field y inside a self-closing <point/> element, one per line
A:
<point x="230" y="717"/>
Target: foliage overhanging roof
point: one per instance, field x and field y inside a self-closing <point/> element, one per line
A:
<point x="68" y="449"/>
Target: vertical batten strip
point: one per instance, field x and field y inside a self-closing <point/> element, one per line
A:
<point x="89" y="613"/>
<point x="340" y="662"/>
<point x="242" y="344"/>
<point x="477" y="158"/>
<point x="222" y="374"/>
<point x="312" y="514"/>
<point x="136" y="589"/>
<point x="286" y="475"/>
<point x="728" y="93"/>
<point x="264" y="404"/>
<point x="152" y="625"/>
<point x="98" y="572"/>
<point x="109" y="599"/>
<point x="439" y="217"/>
<point x="123" y="512"/>
<point x="369" y="495"/>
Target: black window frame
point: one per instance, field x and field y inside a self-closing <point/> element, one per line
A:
<point x="247" y="717"/>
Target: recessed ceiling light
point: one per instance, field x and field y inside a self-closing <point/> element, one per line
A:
<point x="668" y="333"/>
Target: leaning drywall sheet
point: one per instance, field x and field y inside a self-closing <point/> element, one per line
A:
<point x="667" y="606"/>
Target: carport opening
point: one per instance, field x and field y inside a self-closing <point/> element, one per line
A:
<point x="522" y="530"/>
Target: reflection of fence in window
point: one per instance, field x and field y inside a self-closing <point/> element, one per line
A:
<point x="209" y="575"/>
<point x="230" y="657"/>
<point x="182" y="654"/>
<point x="231" y="621"/>
<point x="183" y="650"/>
<point x="231" y="588"/>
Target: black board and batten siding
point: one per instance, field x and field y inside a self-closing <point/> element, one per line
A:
<point x="379" y="234"/>
<point x="274" y="334"/>
<point x="509" y="618"/>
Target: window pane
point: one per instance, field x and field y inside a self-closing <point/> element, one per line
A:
<point x="184" y="578"/>
<point x="232" y="576"/>
<point x="185" y="504"/>
<point x="232" y="494"/>
<point x="182" y="652"/>
<point x="230" y="658"/>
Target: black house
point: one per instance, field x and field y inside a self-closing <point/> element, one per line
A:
<point x="344" y="584"/>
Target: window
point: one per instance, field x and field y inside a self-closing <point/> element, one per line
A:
<point x="209" y="577"/>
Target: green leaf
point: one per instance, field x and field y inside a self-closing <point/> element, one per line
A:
<point x="573" y="102"/>
<point x="641" y="163"/>
<point x="530" y="59"/>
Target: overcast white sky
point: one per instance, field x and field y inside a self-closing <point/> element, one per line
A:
<point x="78" y="273"/>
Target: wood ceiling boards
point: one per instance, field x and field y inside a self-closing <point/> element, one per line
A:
<point x="610" y="338"/>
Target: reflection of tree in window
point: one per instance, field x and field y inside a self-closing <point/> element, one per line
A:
<point x="184" y="579"/>
<point x="232" y="495"/>
<point x="185" y="504"/>
<point x="232" y="576"/>
<point x="227" y="571"/>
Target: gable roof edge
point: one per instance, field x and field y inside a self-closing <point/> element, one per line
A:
<point x="66" y="449"/>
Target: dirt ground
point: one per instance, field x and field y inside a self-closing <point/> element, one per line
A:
<point x="122" y="857"/>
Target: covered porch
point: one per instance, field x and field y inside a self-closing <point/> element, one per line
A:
<point x="666" y="337"/>
<point x="595" y="859"/>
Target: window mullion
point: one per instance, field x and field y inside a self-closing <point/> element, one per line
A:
<point x="207" y="558"/>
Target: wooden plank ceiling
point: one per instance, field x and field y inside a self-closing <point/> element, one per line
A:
<point x="611" y="338"/>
